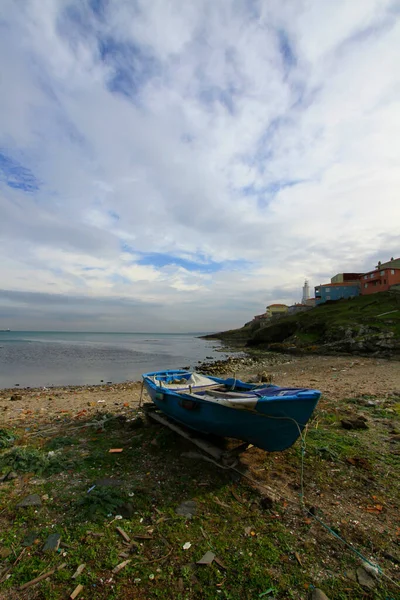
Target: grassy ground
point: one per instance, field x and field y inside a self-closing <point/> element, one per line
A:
<point x="267" y="546"/>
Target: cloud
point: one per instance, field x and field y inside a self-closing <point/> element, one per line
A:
<point x="200" y="159"/>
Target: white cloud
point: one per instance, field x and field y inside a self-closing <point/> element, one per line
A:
<point x="265" y="133"/>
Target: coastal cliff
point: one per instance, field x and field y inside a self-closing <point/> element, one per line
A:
<point x="367" y="325"/>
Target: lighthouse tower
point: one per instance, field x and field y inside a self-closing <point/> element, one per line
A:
<point x="306" y="292"/>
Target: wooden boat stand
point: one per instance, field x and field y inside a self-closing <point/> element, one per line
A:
<point x="227" y="458"/>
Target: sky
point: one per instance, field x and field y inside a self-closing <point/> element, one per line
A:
<point x="177" y="166"/>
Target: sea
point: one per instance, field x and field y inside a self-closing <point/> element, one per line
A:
<point x="42" y="358"/>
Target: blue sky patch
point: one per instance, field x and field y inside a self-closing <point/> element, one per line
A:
<point x="199" y="263"/>
<point x="131" y="66"/>
<point x="16" y="175"/>
<point x="286" y="49"/>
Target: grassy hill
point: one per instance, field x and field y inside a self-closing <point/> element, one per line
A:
<point x="363" y="325"/>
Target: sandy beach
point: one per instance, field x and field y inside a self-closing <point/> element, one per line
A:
<point x="337" y="378"/>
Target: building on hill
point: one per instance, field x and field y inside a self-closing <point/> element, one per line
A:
<point x="296" y="308"/>
<point x="346" y="277"/>
<point x="276" y="309"/>
<point x="336" y="291"/>
<point x="380" y="279"/>
<point x="310" y="302"/>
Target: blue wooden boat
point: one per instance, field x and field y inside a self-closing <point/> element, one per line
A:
<point x="266" y="416"/>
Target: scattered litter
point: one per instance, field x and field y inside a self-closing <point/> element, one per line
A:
<point x="78" y="571"/>
<point x="220" y="563"/>
<point x="218" y="501"/>
<point x="297" y="557"/>
<point x="31" y="500"/>
<point x="152" y="576"/>
<point x="137" y="580"/>
<point x="76" y="592"/>
<point x="123" y="534"/>
<point x="115" y="450"/>
<point x="41" y="577"/>
<point x="121" y="566"/>
<point x="376" y="509"/>
<point x="52" y="543"/>
<point x="91" y="489"/>
<point x="186" y="545"/>
<point x="207" y="559"/>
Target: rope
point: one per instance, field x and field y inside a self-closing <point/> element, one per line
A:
<point x="302" y="502"/>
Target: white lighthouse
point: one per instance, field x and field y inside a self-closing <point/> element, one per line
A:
<point x="306" y="292"/>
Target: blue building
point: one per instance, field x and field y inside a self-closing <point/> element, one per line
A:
<point x="336" y="291"/>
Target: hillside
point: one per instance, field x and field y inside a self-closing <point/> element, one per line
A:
<point x="363" y="325"/>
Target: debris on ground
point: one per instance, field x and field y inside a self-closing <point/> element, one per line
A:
<point x="31" y="500"/>
<point x="76" y="592"/>
<point x="52" y="543"/>
<point x="78" y="571"/>
<point x="207" y="559"/>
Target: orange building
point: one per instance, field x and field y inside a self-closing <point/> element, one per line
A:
<point x="379" y="280"/>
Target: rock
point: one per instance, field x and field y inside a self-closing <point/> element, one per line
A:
<point x="15" y="397"/>
<point x="265" y="377"/>
<point x="11" y="475"/>
<point x="187" y="509"/>
<point x="365" y="579"/>
<point x="31" y="500"/>
<point x="318" y="594"/>
<point x="358" y="423"/>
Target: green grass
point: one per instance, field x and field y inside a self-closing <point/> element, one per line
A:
<point x="326" y="323"/>
<point x="154" y="478"/>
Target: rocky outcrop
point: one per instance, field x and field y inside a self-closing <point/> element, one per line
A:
<point x="363" y="326"/>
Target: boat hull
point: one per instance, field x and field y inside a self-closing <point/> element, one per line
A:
<point x="272" y="424"/>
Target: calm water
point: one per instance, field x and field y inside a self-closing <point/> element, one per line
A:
<point x="35" y="359"/>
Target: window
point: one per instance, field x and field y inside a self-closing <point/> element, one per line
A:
<point x="365" y="276"/>
<point x="327" y="289"/>
<point x="365" y="285"/>
<point x="328" y="297"/>
<point x="371" y="276"/>
<point x="392" y="271"/>
<point x="384" y="281"/>
<point x="382" y="273"/>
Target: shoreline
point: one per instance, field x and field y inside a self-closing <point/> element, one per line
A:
<point x="338" y="377"/>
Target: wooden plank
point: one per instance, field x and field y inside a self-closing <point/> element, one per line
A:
<point x="79" y="571"/>
<point x="76" y="592"/>
<point x="203" y="444"/>
<point x="123" y="534"/>
<point x="41" y="577"/>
